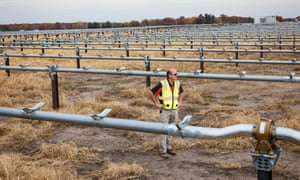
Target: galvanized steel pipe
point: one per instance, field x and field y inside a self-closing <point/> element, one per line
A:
<point x="241" y="76"/>
<point x="150" y="58"/>
<point x="134" y="125"/>
<point x="181" y="129"/>
<point x="288" y="134"/>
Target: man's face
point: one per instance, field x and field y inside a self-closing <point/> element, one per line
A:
<point x="173" y="75"/>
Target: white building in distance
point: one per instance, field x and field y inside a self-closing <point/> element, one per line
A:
<point x="265" y="20"/>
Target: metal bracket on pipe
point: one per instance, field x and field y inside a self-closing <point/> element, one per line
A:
<point x="147" y="59"/>
<point x="292" y="75"/>
<point x="120" y="69"/>
<point x="37" y="107"/>
<point x="5" y="55"/>
<point x="86" y="68"/>
<point x="186" y="121"/>
<point x="198" y="71"/>
<point x="51" y="69"/>
<point x="24" y="65"/>
<point x="242" y="74"/>
<point x="265" y="162"/>
<point x="103" y="114"/>
<point x="157" y="70"/>
<point x="77" y="48"/>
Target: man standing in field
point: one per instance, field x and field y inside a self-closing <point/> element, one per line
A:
<point x="170" y="94"/>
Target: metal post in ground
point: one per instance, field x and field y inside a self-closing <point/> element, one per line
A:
<point x="261" y="47"/>
<point x="78" y="56"/>
<point x="54" y="84"/>
<point x="6" y="59"/>
<point x="236" y="44"/>
<point x="164" y="47"/>
<point x="22" y="46"/>
<point x="264" y="175"/>
<point x="201" y="57"/>
<point x="280" y="41"/>
<point x="43" y="48"/>
<point x="127" y="49"/>
<point x="85" y="48"/>
<point x="294" y="41"/>
<point x="148" y="78"/>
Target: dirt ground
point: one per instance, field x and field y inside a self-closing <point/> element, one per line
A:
<point x="196" y="162"/>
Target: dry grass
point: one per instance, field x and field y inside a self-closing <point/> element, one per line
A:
<point x="21" y="132"/>
<point x="220" y="116"/>
<point x="197" y="95"/>
<point x="121" y="170"/>
<point x="150" y="145"/>
<point x="61" y="151"/>
<point x="8" y="166"/>
<point x="226" y="145"/>
<point x="17" y="166"/>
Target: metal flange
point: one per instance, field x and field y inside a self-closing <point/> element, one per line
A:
<point x="266" y="152"/>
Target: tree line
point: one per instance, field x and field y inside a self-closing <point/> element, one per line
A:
<point x="201" y="19"/>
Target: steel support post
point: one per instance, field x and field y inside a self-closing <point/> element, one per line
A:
<point x="261" y="47"/>
<point x="148" y="78"/>
<point x="54" y="84"/>
<point x="236" y="53"/>
<point x="78" y="57"/>
<point x="85" y="48"/>
<point x="201" y="57"/>
<point x="280" y="41"/>
<point x="55" y="96"/>
<point x="164" y="47"/>
<point x="127" y="49"/>
<point x="264" y="175"/>
<point x="43" y="48"/>
<point x="294" y="41"/>
<point x="6" y="59"/>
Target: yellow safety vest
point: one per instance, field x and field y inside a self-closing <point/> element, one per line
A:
<point x="169" y="97"/>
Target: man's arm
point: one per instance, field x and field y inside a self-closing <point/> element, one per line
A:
<point x="154" y="100"/>
<point x="181" y="95"/>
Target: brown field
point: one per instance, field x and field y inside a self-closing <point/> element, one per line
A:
<point x="46" y="150"/>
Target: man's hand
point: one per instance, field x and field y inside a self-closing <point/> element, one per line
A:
<point x="160" y="106"/>
<point x="179" y="104"/>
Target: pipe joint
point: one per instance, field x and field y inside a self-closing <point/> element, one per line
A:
<point x="266" y="151"/>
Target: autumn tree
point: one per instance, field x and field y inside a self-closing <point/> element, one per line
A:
<point x="180" y="20"/>
<point x="200" y="19"/>
<point x="134" y="23"/>
<point x="169" y="21"/>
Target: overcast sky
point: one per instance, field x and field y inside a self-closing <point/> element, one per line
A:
<point x="40" y="11"/>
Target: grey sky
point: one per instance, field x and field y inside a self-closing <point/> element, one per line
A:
<point x="39" y="11"/>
